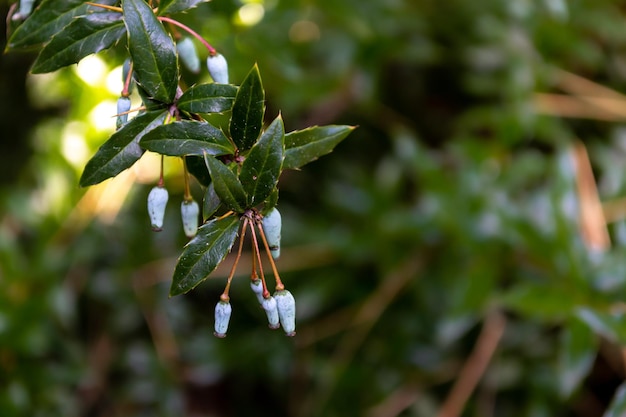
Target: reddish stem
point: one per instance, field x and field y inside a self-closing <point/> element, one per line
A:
<point x="192" y="32"/>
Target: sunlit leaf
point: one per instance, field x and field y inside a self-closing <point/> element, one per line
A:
<point x="122" y="149"/>
<point x="85" y="35"/>
<point x="152" y="50"/>
<point x="304" y="146"/>
<point x="204" y="253"/>
<point x="48" y="19"/>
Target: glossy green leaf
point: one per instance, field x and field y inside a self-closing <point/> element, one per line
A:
<point x="49" y="19"/>
<point x="204" y="253"/>
<point x="577" y="353"/>
<point x="617" y="407"/>
<point x="152" y="50"/>
<point x="122" y="149"/>
<point x="261" y="168"/>
<point x="197" y="167"/>
<point x="187" y="138"/>
<point x="84" y="36"/>
<point x="211" y="202"/>
<point x="208" y="98"/>
<point x="177" y="6"/>
<point x="227" y="185"/>
<point x="248" y="109"/>
<point x="304" y="146"/>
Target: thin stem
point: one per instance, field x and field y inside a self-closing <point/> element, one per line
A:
<point x="187" y="196"/>
<point x="257" y="254"/>
<point x="105" y="6"/>
<point x="223" y="216"/>
<point x="224" y="296"/>
<point x="195" y="34"/>
<point x="279" y="284"/>
<point x="253" y="275"/>
<point x="129" y="76"/>
<point x="161" y="180"/>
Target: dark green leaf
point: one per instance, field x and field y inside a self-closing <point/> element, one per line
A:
<point x="304" y="146"/>
<point x="227" y="185"/>
<point x="204" y="253"/>
<point x="617" y="408"/>
<point x="48" y="19"/>
<point x="176" y="6"/>
<point x="197" y="167"/>
<point x="208" y="98"/>
<point x="261" y="169"/>
<point x="152" y="50"/>
<point x="187" y="138"/>
<point x="150" y="103"/>
<point x="122" y="149"/>
<point x="270" y="201"/>
<point x="248" y="109"/>
<point x="85" y="35"/>
<point x="577" y="353"/>
<point x="211" y="202"/>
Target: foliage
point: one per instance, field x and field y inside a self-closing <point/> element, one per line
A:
<point x="452" y="211"/>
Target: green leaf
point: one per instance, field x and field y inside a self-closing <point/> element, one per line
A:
<point x="304" y="146"/>
<point x="47" y="20"/>
<point x="177" y="6"/>
<point x="611" y="325"/>
<point x="248" y="109"/>
<point x="578" y="348"/>
<point x="261" y="168"/>
<point x="204" y="253"/>
<point x="85" y="35"/>
<point x="187" y="138"/>
<point x="152" y="50"/>
<point x="208" y="98"/>
<point x="197" y="167"/>
<point x="227" y="185"/>
<point x="540" y="300"/>
<point x="211" y="202"/>
<point x="617" y="408"/>
<point x="122" y="149"/>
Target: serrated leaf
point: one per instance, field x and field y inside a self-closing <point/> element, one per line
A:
<point x="304" y="146"/>
<point x="578" y="348"/>
<point x="122" y="149"/>
<point x="187" y="138"/>
<point x="177" y="6"/>
<point x="617" y="407"/>
<point x="248" y="109"/>
<point x="211" y="202"/>
<point x="261" y="168"/>
<point x="208" y="98"/>
<point x="84" y="36"/>
<point x="47" y="20"/>
<point x="204" y="253"/>
<point x="227" y="185"/>
<point x="152" y="50"/>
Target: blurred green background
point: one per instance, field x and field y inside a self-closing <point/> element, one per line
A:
<point x="436" y="255"/>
